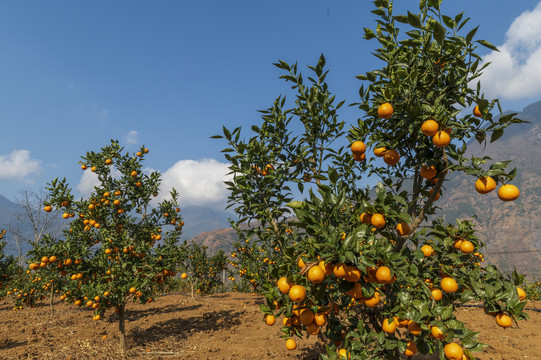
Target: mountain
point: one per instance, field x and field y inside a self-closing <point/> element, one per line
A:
<point x="198" y="219"/>
<point x="512" y="231"/>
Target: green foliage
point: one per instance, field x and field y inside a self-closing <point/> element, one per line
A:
<point x="205" y="272"/>
<point x="426" y="75"/>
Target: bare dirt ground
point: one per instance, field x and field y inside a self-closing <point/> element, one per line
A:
<point x="222" y="326"/>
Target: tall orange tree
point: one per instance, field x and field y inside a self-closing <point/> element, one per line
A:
<point x="365" y="268"/>
<point x="118" y="247"/>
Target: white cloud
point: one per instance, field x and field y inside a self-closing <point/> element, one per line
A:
<point x="18" y="165"/>
<point x="515" y="71"/>
<point x="87" y="183"/>
<point x="132" y="137"/>
<point x="198" y="182"/>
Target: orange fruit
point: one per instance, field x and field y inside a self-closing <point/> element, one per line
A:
<point x="388" y="326"/>
<point x="400" y="322"/>
<point x="377" y="220"/>
<point x="343" y="354"/>
<point x="84" y="167"/>
<point x="379" y="152"/>
<point x="132" y="290"/>
<point x="403" y="229"/>
<point x="316" y="274"/>
<point x="466" y="247"/>
<point x="449" y="285"/>
<point x="453" y="351"/>
<point x="477" y="111"/>
<point x="430" y="127"/>
<point x="47" y="208"/>
<point x="485" y="184"/>
<point x="373" y="300"/>
<point x="427" y="250"/>
<point x="65" y="215"/>
<point x="365" y="218"/>
<point x="53" y="259"/>
<point x="358" y="147"/>
<point x="297" y="293"/>
<point x="270" y="319"/>
<point x="458" y="243"/>
<point x="356" y="291"/>
<point x="383" y="275"/>
<point x="291" y="344"/>
<point x="307" y="316"/>
<point x="287" y="321"/>
<point x="437" y="333"/>
<point x="283" y="285"/>
<point x="300" y="263"/>
<point x="437" y="295"/>
<point x="414" y="328"/>
<point x="108" y="161"/>
<point x="327" y="267"/>
<point x="521" y="293"/>
<point x="385" y="111"/>
<point x="437" y="197"/>
<point x="508" y="192"/>
<point x="391" y="157"/>
<point x="359" y="157"/>
<point x="184" y="276"/>
<point x="441" y="139"/>
<point x="340" y="270"/>
<point x="353" y="274"/>
<point x="411" y="348"/>
<point x="320" y="319"/>
<point x="428" y="172"/>
<point x="503" y="320"/>
<point x="312" y="328"/>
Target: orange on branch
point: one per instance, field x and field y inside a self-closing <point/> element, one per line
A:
<point x="430" y="127"/>
<point x="508" y="192"/>
<point x="391" y="157"/>
<point x="385" y="110"/>
<point x="441" y="139"/>
<point x="428" y="172"/>
<point x="485" y="184"/>
<point x="358" y="147"/>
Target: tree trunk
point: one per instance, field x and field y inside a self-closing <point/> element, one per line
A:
<point x="122" y="330"/>
<point x="51" y="299"/>
<point x="191" y="283"/>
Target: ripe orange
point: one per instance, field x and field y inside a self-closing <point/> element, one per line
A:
<point x="430" y="127"/>
<point x="521" y="293"/>
<point x="400" y="322"/>
<point x="307" y="316"/>
<point x="270" y="320"/>
<point x="53" y="259"/>
<point x="485" y="184"/>
<point x="414" y="328"/>
<point x="437" y="333"/>
<point x="133" y="173"/>
<point x="388" y="326"/>
<point x="477" y="111"/>
<point x="283" y="285"/>
<point x="437" y="295"/>
<point x="340" y="270"/>
<point x="312" y="328"/>
<point x="300" y="263"/>
<point x="327" y="267"/>
<point x="508" y="192"/>
<point x="108" y="161"/>
<point x="427" y="250"/>
<point x="379" y="152"/>
<point x="391" y="157"/>
<point x="377" y="220"/>
<point x="291" y="344"/>
<point x="466" y="247"/>
<point x="84" y="167"/>
<point x="503" y="320"/>
<point x="65" y="215"/>
<point x="343" y="354"/>
<point x="287" y="321"/>
<point x="316" y="274"/>
<point x="385" y="111"/>
<point x="47" y="208"/>
<point x="356" y="291"/>
<point x="383" y="275"/>
<point x="353" y="274"/>
<point x="441" y="139"/>
<point x="184" y="276"/>
<point x="403" y="229"/>
<point x="359" y="157"/>
<point x="373" y="300"/>
<point x="449" y="285"/>
<point x="320" y="319"/>
<point x="427" y="172"/>
<point x="436" y="197"/>
<point x="411" y="348"/>
<point x="358" y="147"/>
<point x="297" y="293"/>
<point x="453" y="351"/>
<point x="365" y="218"/>
<point x="132" y="290"/>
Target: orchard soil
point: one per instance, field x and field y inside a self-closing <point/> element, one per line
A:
<point x="221" y="326"/>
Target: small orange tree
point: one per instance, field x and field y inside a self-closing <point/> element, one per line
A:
<point x="115" y="250"/>
<point x="365" y="268"/>
<point x="205" y="272"/>
<point x="7" y="267"/>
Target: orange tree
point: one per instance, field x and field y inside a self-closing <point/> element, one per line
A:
<point x="205" y="272"/>
<point x="7" y="267"/>
<point x="367" y="269"/>
<point x="115" y="250"/>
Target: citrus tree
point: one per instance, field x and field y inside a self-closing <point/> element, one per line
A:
<point x="373" y="270"/>
<point x="7" y="267"/>
<point x="118" y="247"/>
<point x="205" y="272"/>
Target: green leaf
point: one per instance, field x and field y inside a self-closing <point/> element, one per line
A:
<point x="496" y="135"/>
<point x="439" y="32"/>
<point x="471" y="34"/>
<point x="414" y="20"/>
<point x="488" y="45"/>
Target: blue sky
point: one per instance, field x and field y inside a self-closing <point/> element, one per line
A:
<point x="169" y="74"/>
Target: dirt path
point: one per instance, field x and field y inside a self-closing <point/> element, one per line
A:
<point x="223" y="326"/>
